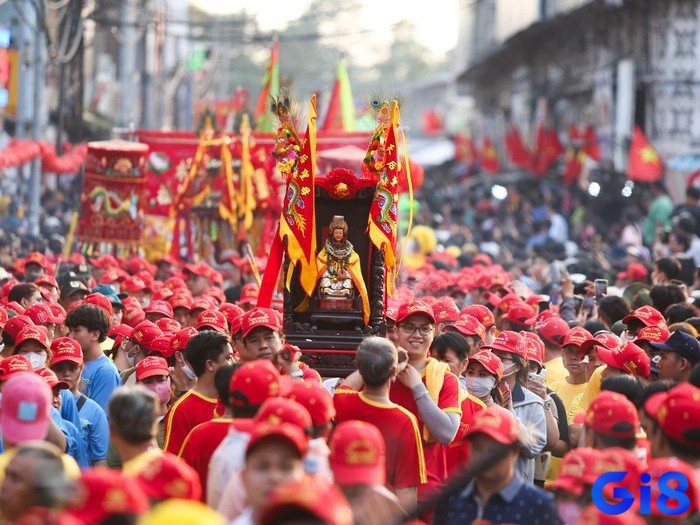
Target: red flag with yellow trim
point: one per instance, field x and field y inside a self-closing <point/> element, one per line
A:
<point x="489" y="156"/>
<point x="382" y="224"/>
<point x="644" y="163"/>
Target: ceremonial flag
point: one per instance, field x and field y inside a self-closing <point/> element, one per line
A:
<point x="517" y="151"/>
<point x="573" y="159"/>
<point x="548" y="150"/>
<point x="644" y="163"/>
<point x="270" y="89"/>
<point x="489" y="156"/>
<point x="465" y="150"/>
<point x="228" y="207"/>
<point x="341" y="107"/>
<point x="246" y="195"/>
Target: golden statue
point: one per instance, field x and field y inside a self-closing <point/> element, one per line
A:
<point x="340" y="275"/>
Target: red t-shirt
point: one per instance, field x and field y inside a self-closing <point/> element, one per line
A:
<point x="457" y="452"/>
<point x="187" y="412"/>
<point x="405" y="464"/>
<point x="435" y="456"/>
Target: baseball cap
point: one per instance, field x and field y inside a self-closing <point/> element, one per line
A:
<point x="313" y="495"/>
<point x="231" y="312"/>
<point x="159" y="307"/>
<point x="467" y="325"/>
<point x="497" y="423"/>
<point x="15" y="307"/>
<point x="46" y="280"/>
<point x="576" y="337"/>
<point x="257" y="317"/>
<point x="577" y="469"/>
<point x="678" y="413"/>
<point x="133" y="316"/>
<point x="36" y="258"/>
<point x="606" y="340"/>
<point x="66" y="349"/>
<point x="315" y="399"/>
<point x="180" y="300"/>
<point x="134" y="284"/>
<point x="110" y="292"/>
<point x="14" y="325"/>
<point x="175" y="283"/>
<point x="489" y="361"/>
<point x="165" y="476"/>
<point x="358" y="454"/>
<point x="40" y="314"/>
<point x="202" y="303"/>
<point x="51" y="379"/>
<point x="249" y="293"/>
<point x="289" y="432"/>
<point x="445" y="310"/>
<point x="534" y="346"/>
<point x="58" y="312"/>
<point x="104" y="262"/>
<point x="416" y="306"/>
<point x="25" y="411"/>
<point x="212" y="319"/>
<point x="481" y="313"/>
<point x="553" y="330"/>
<point x="101" y="301"/>
<point x="253" y="383"/>
<point x="144" y="333"/>
<point x="33" y="333"/>
<point x="13" y="365"/>
<point x="683" y="344"/>
<point x="151" y="366"/>
<point x="169" y="326"/>
<point x="627" y="357"/>
<point x="508" y="341"/>
<point x="647" y="315"/>
<point x="392" y="311"/>
<point x="73" y="287"/>
<point x="162" y="294"/>
<point x="635" y="272"/>
<point x="612" y="414"/>
<point x="521" y="314"/>
<point x="278" y="410"/>
<point x="653" y="334"/>
<point x="178" y="342"/>
<point x="104" y="492"/>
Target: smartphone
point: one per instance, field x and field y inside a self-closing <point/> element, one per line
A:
<point x="601" y="289"/>
<point x="544" y="303"/>
<point x="287" y="353"/>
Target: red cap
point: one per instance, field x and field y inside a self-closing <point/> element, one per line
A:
<point x="33" y="333"/>
<point x="51" y="379"/>
<point x="617" y="459"/>
<point x="36" y="258"/>
<point x="15" y="307"/>
<point x="66" y="349"/>
<point x="520" y="313"/>
<point x="482" y="314"/>
<point x="535" y="347"/>
<point x="216" y="294"/>
<point x="415" y="307"/>
<point x="677" y="413"/>
<point x="313" y="495"/>
<point x="253" y="383"/>
<point x="392" y="311"/>
<point x="131" y="302"/>
<point x="605" y="340"/>
<point x="169" y="326"/>
<point x="276" y="410"/>
<point x="202" y="269"/>
<point x="468" y="325"/>
<point x="110" y="277"/>
<point x="46" y="280"/>
<point x="553" y="330"/>
<point x="231" y="311"/>
<point x="180" y="300"/>
<point x="119" y="332"/>
<point x="162" y="294"/>
<point x="104" y="262"/>
<point x="202" y="303"/>
<point x="249" y="293"/>
<point x="144" y="333"/>
<point x="135" y="265"/>
<point x="577" y="470"/>
<point x="653" y="334"/>
<point x="3" y="318"/>
<point x="178" y="342"/>
<point x="134" y="284"/>
<point x="159" y="307"/>
<point x="497" y="423"/>
<point x="166" y="476"/>
<point x="635" y="272"/>
<point x="101" y="301"/>
<point x="58" y="312"/>
<point x="508" y="341"/>
<point x="612" y="414"/>
<point x="315" y="399"/>
<point x="658" y="467"/>
<point x="175" y="283"/>
<point x="257" y="317"/>
<point x="8" y="286"/>
<point x="133" y="316"/>
<point x="151" y="366"/>
<point x="543" y="316"/>
<point x="577" y="336"/>
<point x="507" y="300"/>
<point x="161" y="346"/>
<point x="13" y="365"/>
<point x="445" y="310"/>
<point x="290" y="432"/>
<point x="212" y="319"/>
<point x="358" y="454"/>
<point x="647" y="315"/>
<point x="40" y="314"/>
<point x="14" y="325"/>
<point x="103" y="492"/>
<point x="629" y="358"/>
<point x="482" y="258"/>
<point x="489" y="361"/>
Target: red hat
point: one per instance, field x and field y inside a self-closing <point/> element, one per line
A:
<point x="46" y="280"/>
<point x="134" y="284"/>
<point x="46" y="516"/>
<point x="178" y="342"/>
<point x="151" y="366"/>
<point x="490" y="361"/>
<point x="497" y="423"/>
<point x="110" y="277"/>
<point x="577" y="336"/>
<point x="13" y="365"/>
<point x="36" y="258"/>
<point x="169" y="326"/>
<point x="492" y="299"/>
<point x="212" y="319"/>
<point x="577" y="470"/>
<point x="175" y="283"/>
<point x="257" y="317"/>
<point x="249" y="293"/>
<point x="103" y="492"/>
<point x="535" y="347"/>
<point x="104" y="262"/>
<point x="612" y="414"/>
<point x="168" y="259"/>
<point x="445" y="310"/>
<point x="617" y="459"/>
<point x="15" y="307"/>
<point x="66" y="349"/>
<point x="202" y="269"/>
<point x="26" y="408"/>
<point x="14" y="325"/>
<point x="138" y="264"/>
<point x="160" y="346"/>
<point x="159" y="307"/>
<point x="635" y="272"/>
<point x="216" y="294"/>
<point x="358" y="454"/>
<point x="290" y="432"/>
<point x="133" y="316"/>
<point x="101" y="301"/>
<point x="653" y="334"/>
<point x="58" y="312"/>
<point x="119" y="332"/>
<point x="658" y="467"/>
<point x="144" y="333"/>
<point x="647" y="315"/>
<point x="180" y="300"/>
<point x="40" y="314"/>
<point x="392" y="311"/>
<point x="482" y="314"/>
<point x="629" y="358"/>
<point x="8" y="286"/>
<point x="677" y="413"/>
<point x="202" y="303"/>
<point x="606" y="340"/>
<point x="51" y="379"/>
<point x="543" y="316"/>
<point x="508" y="341"/>
<point x="231" y="311"/>
<point x="166" y="476"/>
<point x="482" y="258"/>
<point x="313" y="495"/>
<point x="33" y="333"/>
<point x="414" y="307"/>
<point x="162" y="294"/>
<point x="3" y="318"/>
<point x="520" y="313"/>
<point x="508" y="300"/>
<point x="276" y="410"/>
<point x="553" y="330"/>
<point x="254" y="382"/>
<point x="315" y="399"/>
<point x="131" y="302"/>
<point x="467" y="325"/>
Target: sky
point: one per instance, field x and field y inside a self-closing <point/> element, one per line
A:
<point x="436" y="27"/>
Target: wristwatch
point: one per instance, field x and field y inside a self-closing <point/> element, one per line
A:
<point x="548" y="404"/>
<point x="297" y="375"/>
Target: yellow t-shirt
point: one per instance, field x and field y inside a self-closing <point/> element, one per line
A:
<point x="555" y="370"/>
<point x="592" y="388"/>
<point x="567" y="393"/>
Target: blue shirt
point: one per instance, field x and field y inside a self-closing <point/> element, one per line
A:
<point x="69" y="411"/>
<point x="100" y="379"/>
<point x="519" y="502"/>
<point x="74" y="441"/>
<point x="94" y="429"/>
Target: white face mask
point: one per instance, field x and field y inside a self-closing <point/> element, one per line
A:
<point x="38" y="360"/>
<point x="480" y="386"/>
<point x="130" y="359"/>
<point x="187" y="369"/>
<point x="510" y="370"/>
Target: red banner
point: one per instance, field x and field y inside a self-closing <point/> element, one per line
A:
<point x="112" y="203"/>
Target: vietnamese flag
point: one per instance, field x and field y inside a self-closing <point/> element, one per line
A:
<point x="465" y="150"/>
<point x="270" y="89"/>
<point x="517" y="151"/>
<point x="489" y="156"/>
<point x="643" y="164"/>
<point x="548" y="151"/>
<point x="340" y="115"/>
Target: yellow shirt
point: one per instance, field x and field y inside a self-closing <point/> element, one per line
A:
<point x="592" y="389"/>
<point x="555" y="370"/>
<point x="567" y="392"/>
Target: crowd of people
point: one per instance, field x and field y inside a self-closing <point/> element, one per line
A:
<point x="160" y="393"/>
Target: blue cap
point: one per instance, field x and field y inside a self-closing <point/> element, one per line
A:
<point x="683" y="344"/>
<point x="111" y="294"/>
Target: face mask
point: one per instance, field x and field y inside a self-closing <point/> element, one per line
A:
<point x="130" y="359"/>
<point x="161" y="390"/>
<point x="38" y="360"/>
<point x="189" y="372"/>
<point x="510" y="370"/>
<point x="569" y="512"/>
<point x="480" y="386"/>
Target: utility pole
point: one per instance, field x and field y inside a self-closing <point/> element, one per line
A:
<point x="38" y="123"/>
<point x="25" y="96"/>
<point x="127" y="63"/>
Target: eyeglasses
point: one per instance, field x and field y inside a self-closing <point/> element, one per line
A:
<point x="411" y="329"/>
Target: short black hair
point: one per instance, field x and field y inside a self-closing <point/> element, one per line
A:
<point x="222" y="378"/>
<point x="91" y="317"/>
<point x="664" y="295"/>
<point x="613" y="308"/>
<point x="694" y="377"/>
<point x="662" y="385"/>
<point x="629" y="386"/>
<point x="613" y="442"/>
<point x="203" y="347"/>
<point x="450" y="340"/>
<point x="669" y="266"/>
<point x="679" y="313"/>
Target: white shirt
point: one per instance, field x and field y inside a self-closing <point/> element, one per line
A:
<point x="246" y="518"/>
<point x="228" y="458"/>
